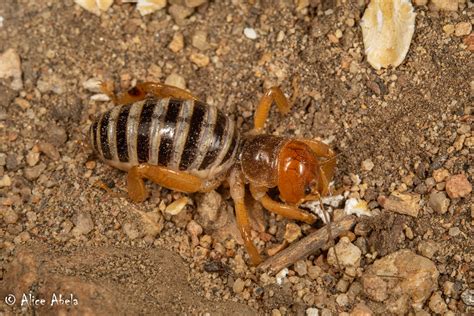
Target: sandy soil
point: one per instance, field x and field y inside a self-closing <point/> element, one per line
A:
<point x="61" y="234"/>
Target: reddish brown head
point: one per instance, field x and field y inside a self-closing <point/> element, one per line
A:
<point x="299" y="174"/>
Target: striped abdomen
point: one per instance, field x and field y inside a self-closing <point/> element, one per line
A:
<point x="181" y="135"/>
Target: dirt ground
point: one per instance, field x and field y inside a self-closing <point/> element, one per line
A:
<point x="406" y="130"/>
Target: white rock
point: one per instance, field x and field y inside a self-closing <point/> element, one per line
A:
<point x="101" y="97"/>
<point x="93" y="85"/>
<point x="280" y="276"/>
<point x="177" y="206"/>
<point x="5" y="181"/>
<point x="176" y="80"/>
<point x="348" y="254"/>
<point x="357" y="206"/>
<point x="250" y="33"/>
<point x="95" y="6"/>
<point x="149" y="6"/>
<point x="387" y="29"/>
<point x="312" y="312"/>
<point x="10" y="67"/>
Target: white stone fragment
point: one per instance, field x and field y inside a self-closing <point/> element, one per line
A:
<point x="149" y="6"/>
<point x="312" y="311"/>
<point x="95" y="6"/>
<point x="387" y="29"/>
<point x="280" y="276"/>
<point x="357" y="207"/>
<point x="177" y="206"/>
<point x="93" y="85"/>
<point x="250" y="33"/>
<point x="100" y="97"/>
<point x="1" y="21"/>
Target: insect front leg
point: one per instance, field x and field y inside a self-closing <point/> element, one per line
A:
<point x="237" y="191"/>
<point x="285" y="210"/>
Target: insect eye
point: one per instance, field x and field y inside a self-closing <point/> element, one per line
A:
<point x="307" y="190"/>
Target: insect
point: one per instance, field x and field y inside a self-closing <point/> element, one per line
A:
<point x="164" y="134"/>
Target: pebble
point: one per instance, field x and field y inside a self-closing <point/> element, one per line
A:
<point x="427" y="248"/>
<point x="3" y="159"/>
<point x="445" y="5"/>
<point x="440" y="175"/>
<point x="463" y="28"/>
<point x="312" y="311"/>
<point x="280" y="36"/>
<point x="292" y="232"/>
<point x="83" y="224"/>
<point x="179" y="13"/>
<point x="468" y="297"/>
<point x="367" y="165"/>
<point x="314" y="271"/>
<point x="361" y="310"/>
<point x="448" y="29"/>
<point x="32" y="173"/>
<point x="22" y="103"/>
<point x="439" y="202"/>
<point x="93" y="85"/>
<point x="238" y="286"/>
<point x="469" y="42"/>
<point x="96" y="7"/>
<point x="342" y="299"/>
<point x="200" y="60"/>
<point x="458" y="186"/>
<point x="437" y="304"/>
<point x="300" y="268"/>
<point x="177" y="43"/>
<point x="176" y="80"/>
<point x="51" y="82"/>
<point x="10" y="67"/>
<point x="32" y="158"/>
<point x="56" y="135"/>
<point x="195" y="230"/>
<point x="49" y="150"/>
<point x="402" y="203"/>
<point x="199" y="40"/>
<point x="131" y="232"/>
<point x="5" y="181"/>
<point x="348" y="254"/>
<point x="10" y="216"/>
<point x="414" y="277"/>
<point x="194" y="3"/>
<point x="177" y="206"/>
<point x="250" y="33"/>
<point x="11" y="162"/>
<point x="454" y="231"/>
<point x="149" y="6"/>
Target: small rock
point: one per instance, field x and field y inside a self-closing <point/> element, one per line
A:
<point x="413" y="276"/>
<point x="439" y="202"/>
<point x="311" y="312"/>
<point x="84" y="224"/>
<point x="445" y="5"/>
<point x="402" y="203"/>
<point x="22" y="103"/>
<point x="51" y="83"/>
<point x="367" y="165"/>
<point x="314" y="272"/>
<point x="194" y="3"/>
<point x="10" y="216"/>
<point x="280" y="36"/>
<point x="361" y="310"/>
<point x="342" y="299"/>
<point x="179" y="13"/>
<point x="300" y="268"/>
<point x="22" y="237"/>
<point x="154" y="72"/>
<point x="200" y="60"/>
<point x="93" y="85"/>
<point x="454" y="231"/>
<point x="420" y="2"/>
<point x="427" y="248"/>
<point x="56" y="135"/>
<point x="469" y="42"/>
<point x="3" y="159"/>
<point x="448" y="289"/>
<point x="32" y="173"/>
<point x="176" y="80"/>
<point x="348" y="254"/>
<point x="177" y="43"/>
<point x="96" y="7"/>
<point x="5" y="181"/>
<point x="199" y="40"/>
<point x="458" y="186"/>
<point x="463" y="28"/>
<point x="177" y="206"/>
<point x="448" y="29"/>
<point x="10" y="67"/>
<point x="195" y="230"/>
<point x="100" y="97"/>
<point x="32" y="158"/>
<point x="440" y="175"/>
<point x="49" y="150"/>
<point x="238" y="286"/>
<point x="468" y="297"/>
<point x="11" y="162"/>
<point x="437" y="304"/>
<point x="131" y="232"/>
<point x="149" y="6"/>
<point x="292" y="232"/>
<point x="250" y="33"/>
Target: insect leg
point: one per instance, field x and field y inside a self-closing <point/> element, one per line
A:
<point x="261" y="113"/>
<point x="237" y="191"/>
<point x="171" y="179"/>
<point x="285" y="210"/>
<point x="164" y="91"/>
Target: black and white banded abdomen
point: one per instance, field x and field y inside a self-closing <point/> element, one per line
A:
<point x="183" y="135"/>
